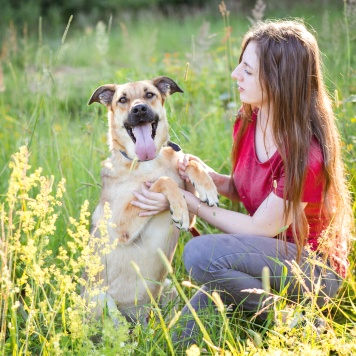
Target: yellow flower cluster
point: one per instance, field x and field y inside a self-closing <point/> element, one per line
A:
<point x="42" y="302"/>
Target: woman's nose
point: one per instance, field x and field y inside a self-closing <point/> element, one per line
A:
<point x="235" y="74"/>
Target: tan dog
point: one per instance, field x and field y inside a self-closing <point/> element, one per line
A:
<point x="138" y="129"/>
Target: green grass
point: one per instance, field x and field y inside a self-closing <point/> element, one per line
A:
<point x="49" y="79"/>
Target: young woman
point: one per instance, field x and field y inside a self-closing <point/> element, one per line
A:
<point x="288" y="173"/>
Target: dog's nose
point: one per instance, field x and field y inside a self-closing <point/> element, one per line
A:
<point x="139" y="110"/>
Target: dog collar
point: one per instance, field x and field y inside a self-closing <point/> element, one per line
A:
<point x="171" y="144"/>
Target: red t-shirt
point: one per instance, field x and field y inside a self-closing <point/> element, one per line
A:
<point x="254" y="181"/>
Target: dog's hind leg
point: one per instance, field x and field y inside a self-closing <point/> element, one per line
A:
<point x="169" y="299"/>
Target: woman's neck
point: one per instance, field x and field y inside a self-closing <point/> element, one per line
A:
<point x="264" y="138"/>
<point x="265" y="117"/>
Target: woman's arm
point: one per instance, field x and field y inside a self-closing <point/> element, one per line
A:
<point x="268" y="219"/>
<point x="225" y="185"/>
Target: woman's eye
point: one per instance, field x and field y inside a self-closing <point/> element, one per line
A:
<point x="247" y="72"/>
<point x="122" y="100"/>
<point x="149" y="95"/>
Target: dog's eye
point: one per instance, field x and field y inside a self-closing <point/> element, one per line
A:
<point x="149" y="95"/>
<point x="122" y="100"/>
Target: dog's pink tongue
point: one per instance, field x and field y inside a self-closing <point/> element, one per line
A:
<point x="145" y="147"/>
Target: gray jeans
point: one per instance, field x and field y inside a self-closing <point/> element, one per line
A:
<point x="232" y="263"/>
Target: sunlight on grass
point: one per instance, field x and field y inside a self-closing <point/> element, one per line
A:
<point x="46" y="306"/>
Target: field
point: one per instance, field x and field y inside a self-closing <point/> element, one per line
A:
<point x="52" y="148"/>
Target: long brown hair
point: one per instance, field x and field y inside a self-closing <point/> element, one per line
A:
<point x="291" y="77"/>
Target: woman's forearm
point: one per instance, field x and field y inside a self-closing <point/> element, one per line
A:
<point x="224" y="185"/>
<point x="267" y="221"/>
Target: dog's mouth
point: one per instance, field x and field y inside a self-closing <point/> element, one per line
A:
<point x="130" y="130"/>
<point x="143" y="135"/>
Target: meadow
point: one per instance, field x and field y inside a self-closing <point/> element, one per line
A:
<point x="53" y="145"/>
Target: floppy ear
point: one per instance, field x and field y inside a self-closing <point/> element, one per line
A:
<point x="103" y="95"/>
<point x="166" y="85"/>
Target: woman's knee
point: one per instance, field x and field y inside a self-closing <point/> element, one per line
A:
<point x="196" y="256"/>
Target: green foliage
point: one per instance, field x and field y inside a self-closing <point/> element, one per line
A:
<point x="46" y="80"/>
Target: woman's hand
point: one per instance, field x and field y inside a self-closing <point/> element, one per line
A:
<point x="222" y="182"/>
<point x="153" y="203"/>
<point x="183" y="163"/>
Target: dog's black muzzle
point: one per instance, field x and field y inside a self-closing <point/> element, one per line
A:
<point x="141" y="114"/>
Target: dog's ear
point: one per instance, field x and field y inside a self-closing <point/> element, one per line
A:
<point x="103" y="95"/>
<point x="166" y="85"/>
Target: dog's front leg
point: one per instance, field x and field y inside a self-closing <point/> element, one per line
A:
<point x="177" y="203"/>
<point x="128" y="223"/>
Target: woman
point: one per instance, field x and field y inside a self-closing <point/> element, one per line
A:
<point x="288" y="173"/>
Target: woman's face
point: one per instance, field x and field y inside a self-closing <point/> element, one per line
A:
<point x="247" y="76"/>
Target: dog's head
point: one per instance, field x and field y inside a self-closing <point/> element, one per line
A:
<point x="137" y="118"/>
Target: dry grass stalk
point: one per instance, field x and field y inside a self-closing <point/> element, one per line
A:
<point x="350" y="9"/>
<point x="258" y="12"/>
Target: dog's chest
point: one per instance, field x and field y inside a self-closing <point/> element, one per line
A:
<point x="120" y="179"/>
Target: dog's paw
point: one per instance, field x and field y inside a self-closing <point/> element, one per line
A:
<point x="210" y="197"/>
<point x="177" y="204"/>
<point x="180" y="217"/>
<point x="169" y="294"/>
<point x="207" y="192"/>
<point x="203" y="184"/>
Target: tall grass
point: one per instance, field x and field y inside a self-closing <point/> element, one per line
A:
<point x="45" y="83"/>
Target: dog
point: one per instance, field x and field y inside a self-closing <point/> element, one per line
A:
<point x="140" y="149"/>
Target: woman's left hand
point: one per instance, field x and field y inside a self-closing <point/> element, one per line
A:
<point x="153" y="203"/>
